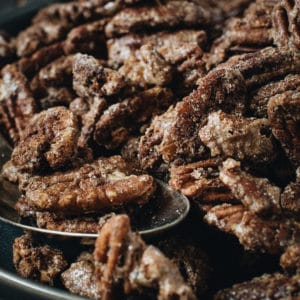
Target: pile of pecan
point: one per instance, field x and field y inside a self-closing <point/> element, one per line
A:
<point x="98" y="96"/>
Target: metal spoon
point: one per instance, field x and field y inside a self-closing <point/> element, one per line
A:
<point x="170" y="209"/>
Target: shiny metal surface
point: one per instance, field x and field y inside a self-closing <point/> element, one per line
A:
<point x="167" y="210"/>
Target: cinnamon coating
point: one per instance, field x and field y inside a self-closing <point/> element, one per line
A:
<point x="286" y="24"/>
<point x="268" y="286"/>
<point x="141" y="267"/>
<point x="200" y="181"/>
<point x="284" y="116"/>
<point x="168" y="44"/>
<point x="82" y="224"/>
<point x="104" y="183"/>
<point x="7" y="48"/>
<point x="147" y="68"/>
<point x="114" y="126"/>
<point x="17" y="104"/>
<point x="257" y="194"/>
<point x="290" y="197"/>
<point x="170" y="15"/>
<point x="253" y="232"/>
<point x="50" y="140"/>
<point x="241" y="138"/>
<point x="91" y="79"/>
<point x="259" y="98"/>
<point x="37" y="262"/>
<point x="175" y="133"/>
<point x="290" y="259"/>
<point x="80" y="277"/>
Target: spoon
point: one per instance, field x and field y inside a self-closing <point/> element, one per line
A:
<point x="169" y="209"/>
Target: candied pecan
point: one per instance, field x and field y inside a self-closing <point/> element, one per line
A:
<point x="80" y="277"/>
<point x="91" y="79"/>
<point x="250" y="32"/>
<point x="200" y="181"/>
<point x="170" y="15"/>
<point x="175" y="133"/>
<point x="29" y="66"/>
<point x="192" y="261"/>
<point x="56" y="73"/>
<point x="265" y="65"/>
<point x="17" y="104"/>
<point x="241" y="138"/>
<point x="286" y="24"/>
<point x="290" y="259"/>
<point x="7" y="48"/>
<point x="253" y="232"/>
<point x="104" y="183"/>
<point x="37" y="262"/>
<point x="61" y="223"/>
<point x="89" y="120"/>
<point x="290" y="198"/>
<point x="141" y="266"/>
<point x="79" y="106"/>
<point x="115" y="124"/>
<point x="259" y="98"/>
<point x="257" y="194"/>
<point x="38" y="35"/>
<point x="269" y="286"/>
<point x="147" y="67"/>
<point x="284" y="116"/>
<point x="50" y="140"/>
<point x="130" y="150"/>
<point x="55" y="96"/>
<point x="88" y="38"/>
<point x="166" y="43"/>
<point x="52" y="23"/>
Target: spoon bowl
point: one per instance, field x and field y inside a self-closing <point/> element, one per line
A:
<point x="168" y="209"/>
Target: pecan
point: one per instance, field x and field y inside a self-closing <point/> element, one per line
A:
<point x="17" y="104"/>
<point x="269" y="286"/>
<point x="265" y="65"/>
<point x="91" y="79"/>
<point x="37" y="262"/>
<point x="286" y="24"/>
<point x="7" y="48"/>
<point x="52" y="23"/>
<point x="259" y="98"/>
<point x="80" y="277"/>
<point x="29" y="66"/>
<point x="253" y="232"/>
<point x="175" y="133"/>
<point x="114" y="126"/>
<point x="104" y="183"/>
<point x="192" y="261"/>
<point x="142" y="266"/>
<point x="88" y="38"/>
<point x="56" y="73"/>
<point x="290" y="259"/>
<point x="257" y="194"/>
<point x="201" y="182"/>
<point x="39" y="35"/>
<point x="147" y="67"/>
<point x="61" y="223"/>
<point x="166" y="43"/>
<point x="170" y="15"/>
<point x="89" y="120"/>
<point x="284" y="116"/>
<point x="50" y="140"/>
<point x="290" y="198"/>
<point x="238" y="137"/>
<point x="55" y="96"/>
<point x="248" y="33"/>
